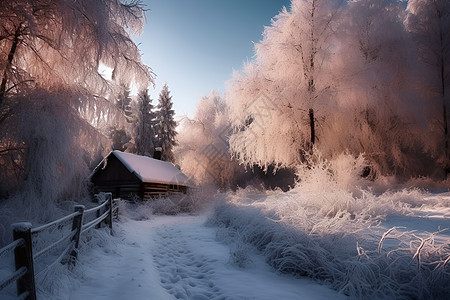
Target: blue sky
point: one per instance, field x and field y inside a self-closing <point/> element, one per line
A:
<point x="194" y="45"/>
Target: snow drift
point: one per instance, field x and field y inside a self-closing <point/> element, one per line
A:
<point x="339" y="229"/>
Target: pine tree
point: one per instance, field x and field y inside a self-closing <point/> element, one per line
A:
<point x="120" y="133"/>
<point x="119" y="139"/>
<point x="123" y="102"/>
<point x="145" y="125"/>
<point x="166" y="124"/>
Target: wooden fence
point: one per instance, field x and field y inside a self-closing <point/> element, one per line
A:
<point x="24" y="234"/>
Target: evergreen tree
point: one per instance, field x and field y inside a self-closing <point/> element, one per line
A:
<point x="145" y="125"/>
<point x="123" y="102"/>
<point x="119" y="139"/>
<point x="120" y="132"/>
<point x="166" y="124"/>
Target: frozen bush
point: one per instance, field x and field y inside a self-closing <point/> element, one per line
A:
<point x="164" y="206"/>
<point x="137" y="209"/>
<point x="240" y="254"/>
<point x="345" y="250"/>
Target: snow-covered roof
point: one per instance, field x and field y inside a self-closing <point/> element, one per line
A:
<point x="151" y="170"/>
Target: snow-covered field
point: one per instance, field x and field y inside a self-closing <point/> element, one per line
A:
<point x="302" y="244"/>
<point x="175" y="257"/>
<point x="393" y="245"/>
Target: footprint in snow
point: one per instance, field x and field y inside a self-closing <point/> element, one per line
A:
<point x="184" y="274"/>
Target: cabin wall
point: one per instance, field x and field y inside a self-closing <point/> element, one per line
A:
<point x="116" y="179"/>
<point x="153" y="190"/>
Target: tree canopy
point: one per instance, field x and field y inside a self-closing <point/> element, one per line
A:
<point x="54" y="103"/>
<point x="347" y="77"/>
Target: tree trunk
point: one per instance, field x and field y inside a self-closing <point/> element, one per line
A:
<point x="446" y="129"/>
<point x="12" y="51"/>
<point x="311" y="124"/>
<point x="311" y="83"/>
<point x="444" y="104"/>
<point x="446" y="143"/>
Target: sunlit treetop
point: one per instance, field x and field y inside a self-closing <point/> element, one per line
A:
<point x="54" y="44"/>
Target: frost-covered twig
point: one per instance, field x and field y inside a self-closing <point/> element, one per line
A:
<point x="423" y="241"/>
<point x="446" y="261"/>
<point x="361" y="251"/>
<point x="383" y="237"/>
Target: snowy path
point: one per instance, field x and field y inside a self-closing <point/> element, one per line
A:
<point x="177" y="257"/>
<point x="184" y="273"/>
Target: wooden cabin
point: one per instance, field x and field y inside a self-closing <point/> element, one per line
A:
<point x="125" y="174"/>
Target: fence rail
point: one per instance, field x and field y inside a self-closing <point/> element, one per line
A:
<point x="47" y="226"/>
<point x="94" y="222"/>
<point x="8" y="248"/>
<point x="23" y="233"/>
<point x="53" y="245"/>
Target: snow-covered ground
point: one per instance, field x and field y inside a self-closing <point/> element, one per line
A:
<point x="178" y="257"/>
<point x="393" y="245"/>
<point x="254" y="245"/>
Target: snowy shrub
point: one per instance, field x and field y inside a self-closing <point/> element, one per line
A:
<point x="186" y="202"/>
<point x="343" y="171"/>
<point x="195" y="200"/>
<point x="135" y="211"/>
<point x="346" y="249"/>
<point x="164" y="206"/>
<point x="240" y="254"/>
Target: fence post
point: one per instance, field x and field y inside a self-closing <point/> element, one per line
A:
<point x="77" y="225"/>
<point x="110" y="216"/>
<point x="23" y="257"/>
<point x="98" y="213"/>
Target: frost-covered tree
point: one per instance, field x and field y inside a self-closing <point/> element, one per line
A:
<point x="311" y="30"/>
<point x="120" y="129"/>
<point x="429" y="23"/>
<point x="119" y="139"/>
<point x="46" y="158"/>
<point x="281" y="98"/>
<point x="341" y="76"/>
<point x="376" y="74"/>
<point x="165" y="124"/>
<point x="59" y="43"/>
<point x="145" y="125"/>
<point x="203" y="151"/>
<point x="52" y="95"/>
<point x="124" y="102"/>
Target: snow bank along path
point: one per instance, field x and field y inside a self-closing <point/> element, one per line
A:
<point x="177" y="257"/>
